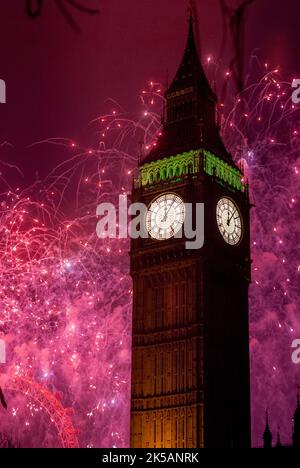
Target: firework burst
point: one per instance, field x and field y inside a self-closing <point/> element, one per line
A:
<point x="65" y="295"/>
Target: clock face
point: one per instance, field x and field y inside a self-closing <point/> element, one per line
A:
<point x="165" y="216"/>
<point x="229" y="221"/>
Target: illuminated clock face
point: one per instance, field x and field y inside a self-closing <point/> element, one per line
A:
<point x="229" y="221"/>
<point x="165" y="216"/>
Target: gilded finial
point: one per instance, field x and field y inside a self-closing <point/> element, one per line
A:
<point x="191" y="12"/>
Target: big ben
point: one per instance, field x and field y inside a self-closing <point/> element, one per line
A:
<point x="190" y="343"/>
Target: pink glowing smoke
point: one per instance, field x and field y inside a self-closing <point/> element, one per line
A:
<point x="263" y="133"/>
<point x="65" y="295"/>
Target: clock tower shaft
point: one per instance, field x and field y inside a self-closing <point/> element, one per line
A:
<point x="190" y="348"/>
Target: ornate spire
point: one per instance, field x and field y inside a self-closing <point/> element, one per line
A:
<point x="190" y="71"/>
<point x="191" y="13"/>
<point x="190" y="111"/>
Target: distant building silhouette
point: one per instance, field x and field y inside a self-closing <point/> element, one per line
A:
<point x="296" y="432"/>
<point x="278" y="443"/>
<point x="267" y="435"/>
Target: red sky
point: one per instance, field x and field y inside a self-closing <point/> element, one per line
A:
<point x="57" y="80"/>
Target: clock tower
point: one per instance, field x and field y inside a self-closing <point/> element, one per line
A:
<point x="190" y="348"/>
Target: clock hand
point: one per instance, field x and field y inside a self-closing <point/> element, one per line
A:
<point x="229" y="220"/>
<point x="165" y="217"/>
<point x="167" y="212"/>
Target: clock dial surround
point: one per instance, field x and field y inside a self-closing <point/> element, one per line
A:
<point x="230" y="222"/>
<point x="165" y="216"/>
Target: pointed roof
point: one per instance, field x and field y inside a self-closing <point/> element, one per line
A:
<point x="190" y="110"/>
<point x="190" y="71"/>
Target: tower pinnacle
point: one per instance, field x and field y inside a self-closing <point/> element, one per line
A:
<point x="190" y="109"/>
<point x="267" y="435"/>
<point x="278" y="443"/>
<point x="191" y="12"/>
